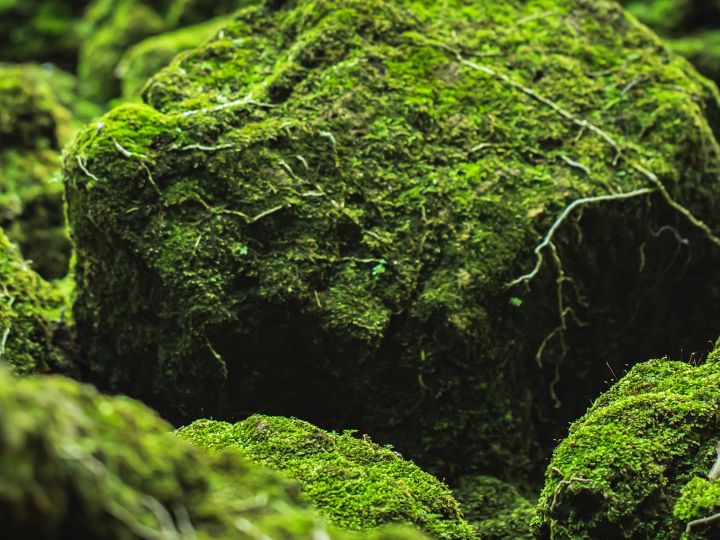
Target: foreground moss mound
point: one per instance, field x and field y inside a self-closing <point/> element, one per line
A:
<point x="496" y="509"/>
<point x="75" y="464"/>
<point x="355" y="483"/>
<point x="318" y="213"/>
<point x="29" y="313"/>
<point x="39" y="113"/>
<point x="635" y="465"/>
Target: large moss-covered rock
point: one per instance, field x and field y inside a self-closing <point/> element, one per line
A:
<point x="39" y="113"/>
<point x="355" y="483"/>
<point x="496" y="509"/>
<point x="318" y="213"/>
<point x="634" y="465"/>
<point x="76" y="464"/>
<point x="29" y="312"/>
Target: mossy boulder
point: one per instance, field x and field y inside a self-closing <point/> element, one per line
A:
<point x="635" y="465"/>
<point x="318" y="213"/>
<point x="146" y="58"/>
<point x="76" y="464"/>
<point x="30" y="309"/>
<point x="39" y="113"/>
<point x="496" y="509"/>
<point x="355" y="483"/>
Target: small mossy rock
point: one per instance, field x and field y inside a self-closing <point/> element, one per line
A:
<point x="355" y="483"/>
<point x="495" y="508"/>
<point x="149" y="56"/>
<point x="630" y="467"/>
<point x="76" y="464"/>
<point x="29" y="307"/>
<point x="39" y="113"/>
<point x="318" y="213"/>
<point x="111" y="27"/>
<point x="40" y="31"/>
<point x="698" y="506"/>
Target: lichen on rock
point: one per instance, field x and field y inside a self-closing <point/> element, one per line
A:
<point x="318" y="212"/>
<point x="30" y="310"/>
<point x="635" y="465"/>
<point x="76" y="464"/>
<point x="355" y="483"/>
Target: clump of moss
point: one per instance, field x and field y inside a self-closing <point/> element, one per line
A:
<point x="143" y="60"/>
<point x="496" y="509"/>
<point x="76" y="464"/>
<point x="318" y="213"/>
<point x="29" y="311"/>
<point x="39" y="113"/>
<point x="632" y="467"/>
<point x="355" y="483"/>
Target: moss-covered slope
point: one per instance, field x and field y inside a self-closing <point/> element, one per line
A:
<point x="75" y="464"/>
<point x="496" y="509"/>
<point x="355" y="483"/>
<point x="39" y="113"/>
<point x="318" y="212"/>
<point x="29" y="311"/>
<point x="635" y="465"/>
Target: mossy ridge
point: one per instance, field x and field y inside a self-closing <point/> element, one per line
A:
<point x="317" y="213"/>
<point x="630" y="468"/>
<point x="355" y="483"/>
<point x="39" y="114"/>
<point x="496" y="509"/>
<point x="30" y="309"/>
<point x="76" y="464"/>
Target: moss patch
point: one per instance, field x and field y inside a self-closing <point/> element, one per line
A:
<point x="75" y="464"/>
<point x="317" y="213"/>
<point x="355" y="483"/>
<point x="632" y="467"/>
<point x="496" y="509"/>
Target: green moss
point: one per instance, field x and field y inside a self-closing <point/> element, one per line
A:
<point x="40" y="30"/>
<point x="39" y="113"/>
<point x="323" y="208"/>
<point x="355" y="483"/>
<point x="76" y="464"/>
<point x="29" y="311"/>
<point x="496" y="509"/>
<point x="630" y="467"/>
<point x="146" y="58"/>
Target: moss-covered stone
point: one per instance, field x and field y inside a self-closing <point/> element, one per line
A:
<point x="40" y="30"/>
<point x="496" y="509"/>
<point x="148" y="57"/>
<point x="318" y="212"/>
<point x="76" y="464"/>
<point x="39" y="113"/>
<point x="29" y="310"/>
<point x="355" y="483"/>
<point x="633" y="466"/>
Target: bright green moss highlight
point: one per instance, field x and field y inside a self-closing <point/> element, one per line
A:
<point x="355" y="483"/>
<point x="317" y="213"/>
<point x="146" y="58"/>
<point x="29" y="311"/>
<point x="496" y="509"/>
<point x="76" y="464"/>
<point x="629" y="468"/>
